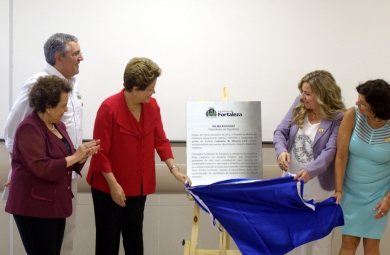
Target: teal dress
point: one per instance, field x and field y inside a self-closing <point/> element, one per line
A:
<point x="367" y="179"/>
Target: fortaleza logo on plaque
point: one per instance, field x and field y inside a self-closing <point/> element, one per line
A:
<point x="211" y="113"/>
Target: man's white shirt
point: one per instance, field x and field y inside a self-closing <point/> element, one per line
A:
<point x="72" y="118"/>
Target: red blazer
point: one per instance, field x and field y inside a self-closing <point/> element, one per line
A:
<point x="127" y="146"/>
<point x="40" y="181"/>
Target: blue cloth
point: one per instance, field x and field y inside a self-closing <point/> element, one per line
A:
<point x="267" y="217"/>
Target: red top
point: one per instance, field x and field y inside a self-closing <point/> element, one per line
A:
<point x="127" y="146"/>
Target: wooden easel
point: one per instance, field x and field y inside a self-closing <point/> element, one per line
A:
<point x="223" y="241"/>
<point x="224" y="237"/>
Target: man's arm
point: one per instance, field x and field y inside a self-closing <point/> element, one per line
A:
<point x="18" y="113"/>
<point x="73" y="117"/>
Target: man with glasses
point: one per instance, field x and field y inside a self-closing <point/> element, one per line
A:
<point x="63" y="56"/>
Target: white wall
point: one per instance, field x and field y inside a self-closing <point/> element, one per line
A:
<point x="4" y="61"/>
<point x="258" y="49"/>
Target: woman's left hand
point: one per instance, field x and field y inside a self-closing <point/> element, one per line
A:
<point x="302" y="175"/>
<point x="181" y="177"/>
<point x="91" y="148"/>
<point x="383" y="207"/>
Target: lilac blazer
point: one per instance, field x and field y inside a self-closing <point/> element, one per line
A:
<point x="324" y="145"/>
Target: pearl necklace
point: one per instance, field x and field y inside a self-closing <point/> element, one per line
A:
<point x="52" y="129"/>
<point x="376" y="119"/>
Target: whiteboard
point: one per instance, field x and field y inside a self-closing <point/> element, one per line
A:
<point x="258" y="49"/>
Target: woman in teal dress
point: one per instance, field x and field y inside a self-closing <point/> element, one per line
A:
<point x="362" y="169"/>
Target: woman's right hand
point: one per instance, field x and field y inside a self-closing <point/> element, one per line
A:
<point x="284" y="160"/>
<point x="117" y="194"/>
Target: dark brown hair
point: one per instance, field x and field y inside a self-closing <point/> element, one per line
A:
<point x="46" y="92"/>
<point x="377" y="95"/>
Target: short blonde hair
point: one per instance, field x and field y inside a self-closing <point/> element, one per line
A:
<point x="327" y="94"/>
<point x="140" y="72"/>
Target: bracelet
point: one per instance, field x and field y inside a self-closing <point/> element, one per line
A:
<point x="172" y="167"/>
<point x="388" y="201"/>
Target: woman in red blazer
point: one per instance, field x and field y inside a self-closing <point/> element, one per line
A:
<point x="43" y="159"/>
<point x="123" y="173"/>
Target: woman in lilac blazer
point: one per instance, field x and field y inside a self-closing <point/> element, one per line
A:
<point x="43" y="159"/>
<point x="305" y="142"/>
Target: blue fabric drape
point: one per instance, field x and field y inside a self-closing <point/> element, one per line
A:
<point x="267" y="216"/>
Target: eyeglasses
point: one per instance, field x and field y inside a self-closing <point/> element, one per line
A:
<point x="77" y="54"/>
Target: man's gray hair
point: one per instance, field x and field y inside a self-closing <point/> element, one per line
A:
<point x="57" y="44"/>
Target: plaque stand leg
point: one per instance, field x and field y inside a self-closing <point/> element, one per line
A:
<point x="224" y="239"/>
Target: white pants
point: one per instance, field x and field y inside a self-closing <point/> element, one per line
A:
<point x="321" y="246"/>
<point x="70" y="226"/>
<point x="313" y="190"/>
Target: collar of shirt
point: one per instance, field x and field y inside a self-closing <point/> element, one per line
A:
<point x="51" y="70"/>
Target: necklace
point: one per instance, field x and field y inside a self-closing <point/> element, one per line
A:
<point x="135" y="108"/>
<point x="376" y="119"/>
<point x="314" y="115"/>
<point x="51" y="128"/>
